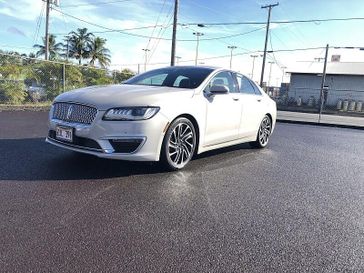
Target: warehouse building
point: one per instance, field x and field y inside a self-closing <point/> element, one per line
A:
<point x="344" y="83"/>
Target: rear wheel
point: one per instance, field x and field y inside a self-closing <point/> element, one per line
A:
<point x="179" y="144"/>
<point x="264" y="132"/>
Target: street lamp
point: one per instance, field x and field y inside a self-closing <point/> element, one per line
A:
<point x="197" y="34"/>
<point x="253" y="56"/>
<point x="146" y="50"/>
<point x="270" y="72"/>
<point x="177" y="59"/>
<point x="231" y="54"/>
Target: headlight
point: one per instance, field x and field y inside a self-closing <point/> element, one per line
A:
<point x="131" y="113"/>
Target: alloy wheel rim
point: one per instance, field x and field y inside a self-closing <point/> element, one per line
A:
<point x="264" y="131"/>
<point x="181" y="144"/>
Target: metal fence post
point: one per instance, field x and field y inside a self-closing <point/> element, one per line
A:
<point x="64" y="77"/>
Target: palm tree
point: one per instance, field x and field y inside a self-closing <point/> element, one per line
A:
<point x="98" y="52"/>
<point x="79" y="44"/>
<point x="54" y="48"/>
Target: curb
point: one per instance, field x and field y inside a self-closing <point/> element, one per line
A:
<point x="321" y="124"/>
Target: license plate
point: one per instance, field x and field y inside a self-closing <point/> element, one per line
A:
<point x="64" y="134"/>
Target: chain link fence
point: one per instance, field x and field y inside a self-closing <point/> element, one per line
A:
<point x="30" y="80"/>
<point x="340" y="102"/>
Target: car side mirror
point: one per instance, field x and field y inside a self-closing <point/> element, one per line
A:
<point x="219" y="89"/>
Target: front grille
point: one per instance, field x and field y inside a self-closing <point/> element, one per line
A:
<point x="72" y="112"/>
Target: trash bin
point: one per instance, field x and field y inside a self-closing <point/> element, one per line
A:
<point x="352" y="105"/>
<point x="359" y="106"/>
<point x="339" y="104"/>
<point x="345" y="105"/>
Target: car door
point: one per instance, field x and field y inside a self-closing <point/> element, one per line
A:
<point x="223" y="111"/>
<point x="251" y="101"/>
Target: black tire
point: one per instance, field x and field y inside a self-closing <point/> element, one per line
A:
<point x="265" y="129"/>
<point x="179" y="144"/>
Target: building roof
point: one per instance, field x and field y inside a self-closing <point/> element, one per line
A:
<point x="333" y="68"/>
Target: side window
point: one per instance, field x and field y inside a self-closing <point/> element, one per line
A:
<point x="256" y="89"/>
<point x="245" y="86"/>
<point x="223" y="78"/>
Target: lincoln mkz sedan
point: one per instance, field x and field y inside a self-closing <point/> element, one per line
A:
<point x="167" y="115"/>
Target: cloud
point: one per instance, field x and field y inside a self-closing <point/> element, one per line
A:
<point x="16" y="31"/>
<point x="27" y="10"/>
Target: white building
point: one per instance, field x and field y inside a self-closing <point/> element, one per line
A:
<point x="345" y="81"/>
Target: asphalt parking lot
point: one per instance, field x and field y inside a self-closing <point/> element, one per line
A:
<point x="297" y="206"/>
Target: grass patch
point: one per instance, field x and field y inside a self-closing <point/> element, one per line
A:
<point x="39" y="106"/>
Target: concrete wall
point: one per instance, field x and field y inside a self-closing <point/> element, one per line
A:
<point x="344" y="87"/>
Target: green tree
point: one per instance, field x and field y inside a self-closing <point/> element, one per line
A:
<point x="125" y="74"/>
<point x="55" y="49"/>
<point x="12" y="87"/>
<point x="80" y="44"/>
<point x="10" y="57"/>
<point x="94" y="76"/>
<point x="98" y="52"/>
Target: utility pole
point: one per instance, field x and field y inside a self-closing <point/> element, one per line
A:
<point x="270" y="72"/>
<point x="145" y="58"/>
<point x="173" y="51"/>
<point x="231" y="54"/>
<point x="266" y="39"/>
<point x="48" y="6"/>
<point x="198" y="34"/>
<point x="323" y="83"/>
<point x="253" y="56"/>
<point x="67" y="39"/>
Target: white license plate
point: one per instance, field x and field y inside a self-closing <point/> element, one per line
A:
<point x="64" y="134"/>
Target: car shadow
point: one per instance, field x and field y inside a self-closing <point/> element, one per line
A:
<point x="34" y="160"/>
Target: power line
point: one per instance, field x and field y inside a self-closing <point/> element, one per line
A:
<point x="117" y="30"/>
<point x="236" y="54"/>
<point x="161" y="32"/>
<point x="39" y="23"/>
<point x="274" y="57"/>
<point x="232" y="35"/>
<point x="148" y="37"/>
<point x="156" y="23"/>
<point x="277" y="22"/>
<point x="94" y="4"/>
<point x="100" y="26"/>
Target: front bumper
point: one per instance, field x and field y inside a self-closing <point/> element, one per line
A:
<point x="125" y="140"/>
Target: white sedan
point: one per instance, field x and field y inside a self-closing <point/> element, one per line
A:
<point x="167" y="115"/>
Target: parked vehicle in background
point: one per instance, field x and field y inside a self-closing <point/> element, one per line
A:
<point x="36" y="92"/>
<point x="166" y="115"/>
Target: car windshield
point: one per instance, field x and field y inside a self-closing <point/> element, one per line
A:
<point x="180" y="77"/>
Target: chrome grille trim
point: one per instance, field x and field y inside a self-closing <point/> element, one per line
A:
<point x="73" y="112"/>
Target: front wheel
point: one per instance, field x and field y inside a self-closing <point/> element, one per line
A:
<point x="264" y="132"/>
<point x="179" y="144"/>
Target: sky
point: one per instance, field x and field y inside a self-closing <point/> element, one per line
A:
<point x="23" y="25"/>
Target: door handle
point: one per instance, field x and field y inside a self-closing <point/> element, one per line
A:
<point x="259" y="100"/>
<point x="235" y="99"/>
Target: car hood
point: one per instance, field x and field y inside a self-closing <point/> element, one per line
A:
<point x="106" y="97"/>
